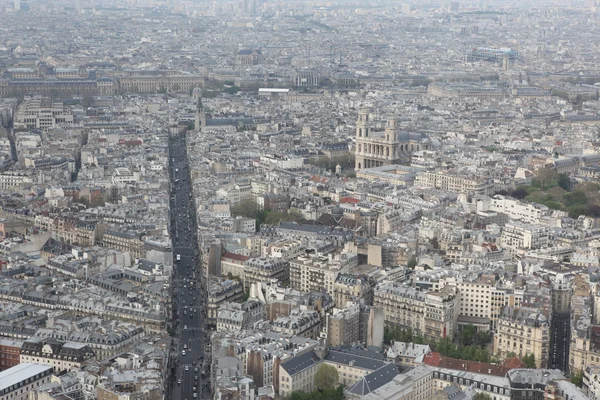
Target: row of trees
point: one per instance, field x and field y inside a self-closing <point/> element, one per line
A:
<point x="249" y="209"/>
<point x="558" y="192"/>
<point x="471" y="345"/>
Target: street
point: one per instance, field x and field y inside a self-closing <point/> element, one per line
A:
<point x="191" y="379"/>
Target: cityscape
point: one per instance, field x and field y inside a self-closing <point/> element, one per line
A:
<point x="299" y="200"/>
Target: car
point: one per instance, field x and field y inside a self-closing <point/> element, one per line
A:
<point x="196" y="369"/>
<point x="183" y="352"/>
<point x="179" y="381"/>
<point x="195" y="395"/>
<point x="185" y="346"/>
<point x="187" y="368"/>
<point x="185" y="313"/>
<point x="194" y="388"/>
<point x="193" y="363"/>
<point x="196" y="377"/>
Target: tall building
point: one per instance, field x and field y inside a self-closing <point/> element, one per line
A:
<point x="376" y="148"/>
<point x="343" y="326"/>
<point x="523" y="331"/>
<point x="17" y="5"/>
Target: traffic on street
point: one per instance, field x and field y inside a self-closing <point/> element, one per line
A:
<point x="192" y="358"/>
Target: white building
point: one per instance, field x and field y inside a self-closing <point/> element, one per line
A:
<point x="17" y="382"/>
<point x="525" y="212"/>
<point x="517" y="235"/>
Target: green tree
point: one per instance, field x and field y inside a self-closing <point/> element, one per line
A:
<point x="467" y="335"/>
<point x="565" y="182"/>
<point x="482" y="396"/>
<point x="545" y="178"/>
<point x="412" y="263"/>
<point x="326" y="377"/>
<point x="577" y="378"/>
<point x="576" y="198"/>
<point x="529" y="360"/>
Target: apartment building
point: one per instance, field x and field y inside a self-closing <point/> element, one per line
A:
<point x="41" y="113"/>
<point x="124" y="239"/>
<point x="10" y="180"/>
<point x="350" y="288"/>
<point x="482" y="301"/>
<point x="233" y="264"/>
<point x="238" y="316"/>
<point x="17" y="382"/>
<point x="312" y="274"/>
<point x="222" y="291"/>
<point x="529" y="213"/>
<point x="299" y="322"/>
<point x="10" y="351"/>
<point x="441" y="313"/>
<point x="265" y="270"/>
<point x="343" y="326"/>
<point x="497" y="387"/>
<point x="431" y="314"/>
<point x="517" y="235"/>
<point x="455" y="183"/>
<point x="523" y="331"/>
<point x="68" y="229"/>
<point x="59" y="355"/>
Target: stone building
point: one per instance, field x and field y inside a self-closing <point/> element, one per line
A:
<point x="391" y="146"/>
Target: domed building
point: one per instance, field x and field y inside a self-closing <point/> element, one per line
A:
<point x="391" y="146"/>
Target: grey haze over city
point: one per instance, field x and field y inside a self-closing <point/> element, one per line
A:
<point x="299" y="200"/>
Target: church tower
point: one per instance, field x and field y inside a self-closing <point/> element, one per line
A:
<point x="200" y="121"/>
<point x="362" y="134"/>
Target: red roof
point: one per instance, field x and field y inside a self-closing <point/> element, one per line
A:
<point x="437" y="360"/>
<point x="233" y="256"/>
<point x="345" y="200"/>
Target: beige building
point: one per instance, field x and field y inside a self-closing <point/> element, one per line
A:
<point x="124" y="239"/>
<point x="516" y="235"/>
<point x="152" y="84"/>
<point x="70" y="230"/>
<point x="523" y="331"/>
<point x="431" y="314"/>
<point x="59" y="355"/>
<point x="351" y="288"/>
<point x="313" y="274"/>
<point x="41" y="113"/>
<point x="455" y="183"/>
<point x="378" y="148"/>
<point x="343" y="326"/>
<point x="265" y="270"/>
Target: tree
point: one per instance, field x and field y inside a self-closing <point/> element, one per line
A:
<point x="545" y="178"/>
<point x="577" y="378"/>
<point x="482" y="396"/>
<point x="467" y="335"/>
<point x="326" y="377"/>
<point x="520" y="193"/>
<point x="529" y="360"/>
<point x="565" y="182"/>
<point x="412" y="263"/>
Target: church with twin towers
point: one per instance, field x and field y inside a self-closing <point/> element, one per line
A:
<point x="378" y="147"/>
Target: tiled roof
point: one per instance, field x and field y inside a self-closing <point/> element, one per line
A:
<point x="301" y="363"/>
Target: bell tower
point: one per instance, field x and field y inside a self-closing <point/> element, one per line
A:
<point x="200" y="120"/>
<point x="362" y="137"/>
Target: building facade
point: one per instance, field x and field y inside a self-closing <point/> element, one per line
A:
<point x="392" y="146"/>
